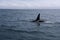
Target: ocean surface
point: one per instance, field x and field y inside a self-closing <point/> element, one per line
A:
<point x="15" y="24"/>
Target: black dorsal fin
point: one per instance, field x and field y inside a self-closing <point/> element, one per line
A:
<point x="38" y="17"/>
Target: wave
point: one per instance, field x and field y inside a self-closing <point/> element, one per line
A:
<point x="31" y="32"/>
<point x="51" y="22"/>
<point x="11" y="29"/>
<point x="26" y="31"/>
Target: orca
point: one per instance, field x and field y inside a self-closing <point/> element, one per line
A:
<point x="38" y="19"/>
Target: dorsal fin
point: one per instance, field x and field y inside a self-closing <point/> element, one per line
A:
<point x="38" y="17"/>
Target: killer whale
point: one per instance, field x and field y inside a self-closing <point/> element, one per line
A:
<point x="38" y="19"/>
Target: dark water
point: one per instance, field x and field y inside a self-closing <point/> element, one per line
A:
<point x="15" y="24"/>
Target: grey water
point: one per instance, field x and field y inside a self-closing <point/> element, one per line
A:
<point x="15" y="24"/>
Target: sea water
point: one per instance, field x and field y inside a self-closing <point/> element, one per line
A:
<point x="15" y="24"/>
